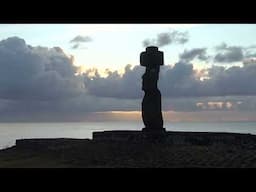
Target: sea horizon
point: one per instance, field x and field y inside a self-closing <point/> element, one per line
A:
<point x="11" y="131"/>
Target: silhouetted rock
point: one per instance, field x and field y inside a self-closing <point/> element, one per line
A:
<point x="151" y="104"/>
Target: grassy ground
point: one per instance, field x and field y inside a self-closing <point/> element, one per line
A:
<point x="99" y="154"/>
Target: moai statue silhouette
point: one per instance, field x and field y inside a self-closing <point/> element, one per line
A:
<point x="152" y="58"/>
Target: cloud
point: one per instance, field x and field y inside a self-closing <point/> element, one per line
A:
<point x="82" y="107"/>
<point x="79" y="40"/>
<point x="126" y="86"/>
<point x="249" y="61"/>
<point x="229" y="54"/>
<point x="189" y="55"/>
<point x="75" y="46"/>
<point x="146" y="42"/>
<point x="166" y="38"/>
<point x="42" y="83"/>
<point x="163" y="39"/>
<point x="224" y="54"/>
<point x="69" y="109"/>
<point x="229" y="103"/>
<point x="180" y="80"/>
<point x="38" y="73"/>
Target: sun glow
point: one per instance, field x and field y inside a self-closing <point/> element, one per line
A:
<point x="174" y="116"/>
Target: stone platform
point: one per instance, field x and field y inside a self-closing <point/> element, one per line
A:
<point x="178" y="138"/>
<point x="130" y="137"/>
<point x="121" y="149"/>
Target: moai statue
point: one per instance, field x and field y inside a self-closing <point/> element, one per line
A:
<point x="151" y="104"/>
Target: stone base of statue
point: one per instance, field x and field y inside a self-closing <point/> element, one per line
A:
<point x="153" y="130"/>
<point x="154" y="134"/>
<point x="131" y="135"/>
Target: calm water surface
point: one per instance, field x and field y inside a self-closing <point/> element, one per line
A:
<point x="9" y="132"/>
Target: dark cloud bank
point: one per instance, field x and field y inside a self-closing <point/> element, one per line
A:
<point x="181" y="80"/>
<point x="43" y="81"/>
<point x="40" y="73"/>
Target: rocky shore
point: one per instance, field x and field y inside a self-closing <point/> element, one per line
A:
<point x="181" y="149"/>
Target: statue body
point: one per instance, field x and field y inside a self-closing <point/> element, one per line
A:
<point x="151" y="104"/>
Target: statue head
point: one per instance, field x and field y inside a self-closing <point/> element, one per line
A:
<point x="152" y="57"/>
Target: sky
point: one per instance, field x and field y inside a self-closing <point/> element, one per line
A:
<point x="83" y="72"/>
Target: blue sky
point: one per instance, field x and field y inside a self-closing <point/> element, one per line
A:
<point x="115" y="45"/>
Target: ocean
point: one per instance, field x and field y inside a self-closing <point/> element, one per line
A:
<point x="9" y="132"/>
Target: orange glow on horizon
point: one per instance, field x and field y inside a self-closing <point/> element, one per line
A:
<point x="173" y="116"/>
